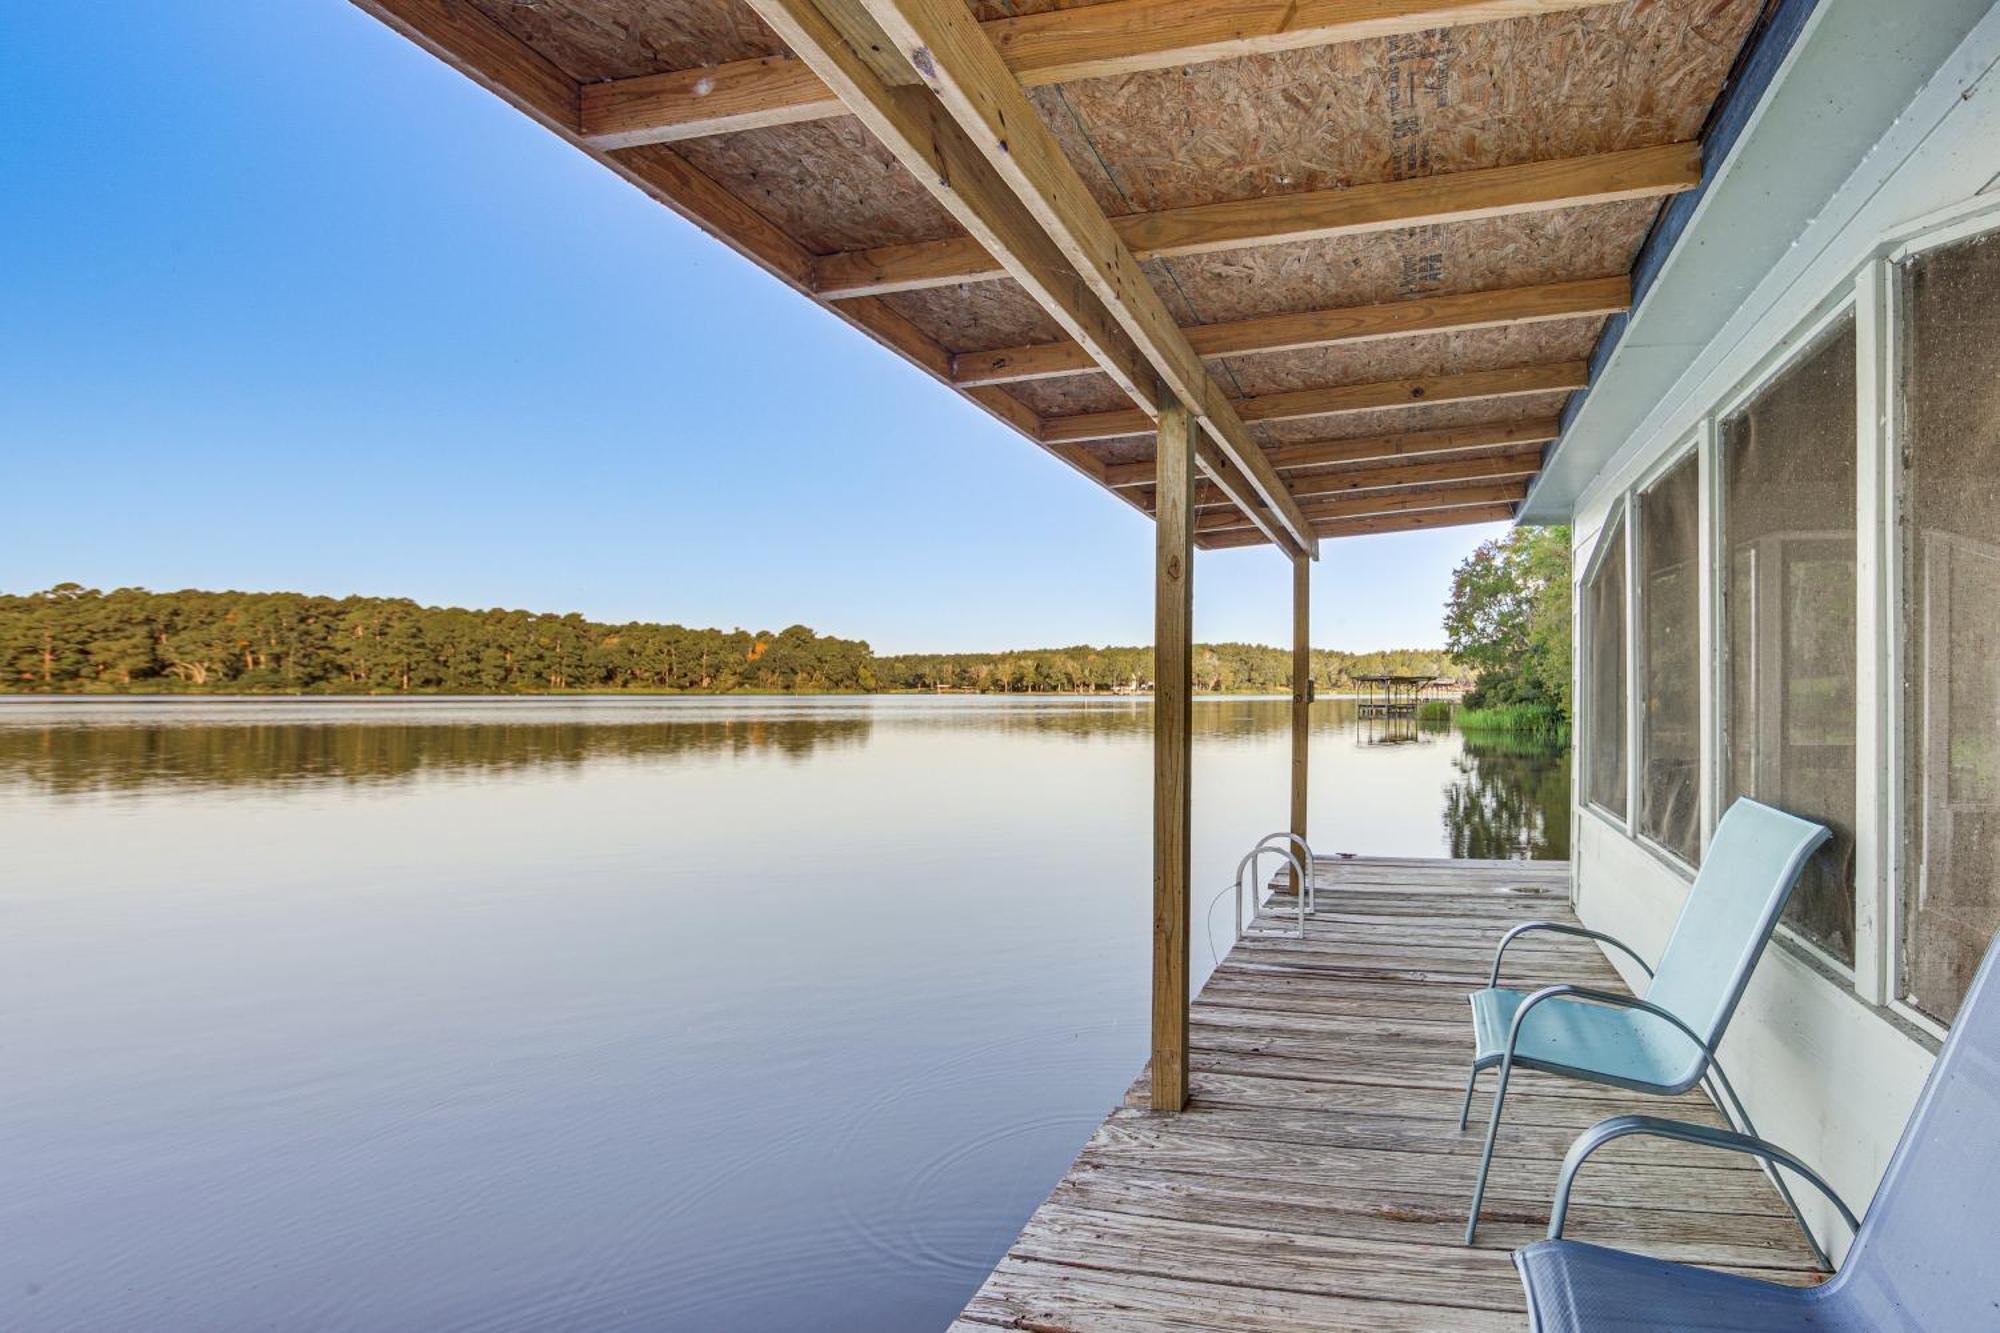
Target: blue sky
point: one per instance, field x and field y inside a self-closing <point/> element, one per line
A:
<point x="285" y="303"/>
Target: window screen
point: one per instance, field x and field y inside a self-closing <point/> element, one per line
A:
<point x="1951" y="620"/>
<point x="1604" y="692"/>
<point x="1669" y="615"/>
<point x="1788" y="524"/>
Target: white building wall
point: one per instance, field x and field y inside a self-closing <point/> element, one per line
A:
<point x="1826" y="1065"/>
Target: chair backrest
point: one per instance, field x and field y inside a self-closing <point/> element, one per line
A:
<point x="1752" y="863"/>
<point x="1926" y="1258"/>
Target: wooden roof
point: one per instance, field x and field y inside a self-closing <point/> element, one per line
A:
<point x="1370" y="243"/>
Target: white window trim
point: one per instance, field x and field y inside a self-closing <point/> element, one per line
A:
<point x="1635" y="650"/>
<point x="1878" y="283"/>
<point x="1612" y="533"/>
<point x="1866" y="284"/>
<point x="1800" y="342"/>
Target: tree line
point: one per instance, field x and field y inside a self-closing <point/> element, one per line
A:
<point x="71" y="639"/>
<point x="1217" y="667"/>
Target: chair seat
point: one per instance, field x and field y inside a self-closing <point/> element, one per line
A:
<point x="1578" y="1288"/>
<point x="1624" y="1047"/>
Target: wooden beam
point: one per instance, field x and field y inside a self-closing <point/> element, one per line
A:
<point x="1375" y="448"/>
<point x="1302" y="691"/>
<point x="946" y="48"/>
<point x="1365" y="527"/>
<point x="1276" y="219"/>
<point x="931" y="146"/>
<point x="1120" y="37"/>
<point x="709" y="99"/>
<point x="1412" y="444"/>
<point x="1324" y="328"/>
<point x="1518" y="461"/>
<point x="1388" y="500"/>
<point x="1339" y="400"/>
<point x="1173" y="725"/>
<point x="1444" y="472"/>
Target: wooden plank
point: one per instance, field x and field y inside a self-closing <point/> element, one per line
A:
<point x="1400" y="500"/>
<point x="1368" y="527"/>
<point x="1444" y="471"/>
<point x="1316" y="1177"/>
<point x="1114" y="38"/>
<point x="1343" y="399"/>
<point x="946" y="48"/>
<point x="709" y="99"/>
<point x="1276" y="219"/>
<point x="1027" y="1294"/>
<point x="1517" y="462"/>
<point x="1376" y="448"/>
<point x="1173" y="723"/>
<point x="1460" y="196"/>
<point x="1412" y="444"/>
<point x="1324" y="328"/>
<point x="1302" y="690"/>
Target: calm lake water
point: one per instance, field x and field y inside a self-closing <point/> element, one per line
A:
<point x="759" y="1014"/>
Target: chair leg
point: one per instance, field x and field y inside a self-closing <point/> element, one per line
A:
<point x="1465" y="1111"/>
<point x="1486" y="1157"/>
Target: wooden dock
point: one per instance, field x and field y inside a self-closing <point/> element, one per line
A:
<point x="1318" y="1179"/>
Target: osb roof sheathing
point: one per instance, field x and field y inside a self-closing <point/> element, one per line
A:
<point x="1488" y="94"/>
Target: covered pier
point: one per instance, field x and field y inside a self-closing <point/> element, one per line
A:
<point x="1269" y="273"/>
<point x="1317" y="1179"/>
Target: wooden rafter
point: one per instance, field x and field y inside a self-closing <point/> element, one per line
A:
<point x="945" y="46"/>
<point x="1394" y="500"/>
<point x="1517" y="463"/>
<point x="1119" y="37"/>
<point x="1324" y="328"/>
<point x="1376" y="448"/>
<point x="1528" y="187"/>
<point x="1379" y="523"/>
<point x="1339" y="400"/>
<point x="847" y="51"/>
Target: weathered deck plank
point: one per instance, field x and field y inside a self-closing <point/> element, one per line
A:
<point x="1318" y="1179"/>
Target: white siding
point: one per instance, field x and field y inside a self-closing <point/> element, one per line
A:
<point x="1824" y="1069"/>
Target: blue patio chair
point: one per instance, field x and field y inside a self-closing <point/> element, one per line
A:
<point x="1923" y="1260"/>
<point x="1665" y="1043"/>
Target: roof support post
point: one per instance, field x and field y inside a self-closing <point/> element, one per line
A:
<point x="1173" y="721"/>
<point x="1302" y="691"/>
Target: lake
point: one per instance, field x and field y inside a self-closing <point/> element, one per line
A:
<point x="746" y="1014"/>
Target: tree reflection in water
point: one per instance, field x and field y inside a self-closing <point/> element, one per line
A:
<point x="1510" y="799"/>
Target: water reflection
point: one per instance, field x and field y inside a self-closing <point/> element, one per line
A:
<point x="485" y="1014"/>
<point x="1511" y="800"/>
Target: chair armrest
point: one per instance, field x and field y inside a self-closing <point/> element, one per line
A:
<point x="1557" y="927"/>
<point x="1622" y="1126"/>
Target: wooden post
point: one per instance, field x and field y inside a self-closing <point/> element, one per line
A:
<point x="1173" y="688"/>
<point x="1301" y="687"/>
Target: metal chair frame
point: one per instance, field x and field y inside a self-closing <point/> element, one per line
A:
<point x="1708" y="1065"/>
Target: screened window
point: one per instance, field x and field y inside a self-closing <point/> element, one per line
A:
<point x="1951" y="620"/>
<point x="1604" y="692"/>
<point x="1669" y="615"/>
<point x="1788" y="525"/>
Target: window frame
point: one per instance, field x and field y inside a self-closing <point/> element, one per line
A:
<point x="1687" y="450"/>
<point x="1617" y="524"/>
<point x="1870" y="294"/>
<point x="1879" y="285"/>
<point x="1804" y="338"/>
